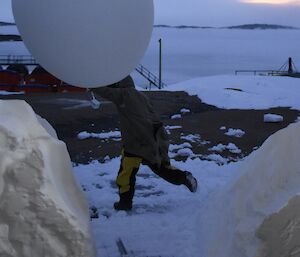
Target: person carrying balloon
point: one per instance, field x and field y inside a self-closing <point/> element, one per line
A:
<point x="144" y="139"/>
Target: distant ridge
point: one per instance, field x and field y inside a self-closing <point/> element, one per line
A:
<point x="10" y="38"/>
<point x="245" y="26"/>
<point x="260" y="26"/>
<point x="4" y="23"/>
<point x="183" y="27"/>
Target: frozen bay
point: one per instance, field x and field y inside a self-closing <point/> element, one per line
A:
<point x="190" y="53"/>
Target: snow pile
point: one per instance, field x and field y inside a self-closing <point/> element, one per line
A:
<point x="217" y="158"/>
<point x="103" y="135"/>
<point x="175" y="147"/>
<point x="273" y="118"/>
<point x="191" y="138"/>
<point x="187" y="152"/>
<point x="42" y="210"/>
<point x="231" y="147"/>
<point x="244" y="92"/>
<point x="235" y="132"/>
<point x="262" y="201"/>
<point x="183" y="149"/>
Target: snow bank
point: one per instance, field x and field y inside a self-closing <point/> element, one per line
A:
<point x="42" y="210"/>
<point x="244" y="92"/>
<point x="273" y="118"/>
<point x="262" y="201"/>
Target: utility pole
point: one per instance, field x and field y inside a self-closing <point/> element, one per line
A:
<point x="290" y="70"/>
<point x="160" y="61"/>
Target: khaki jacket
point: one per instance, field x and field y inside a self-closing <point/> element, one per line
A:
<point x="143" y="133"/>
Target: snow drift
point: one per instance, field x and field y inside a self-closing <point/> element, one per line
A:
<point x="42" y="210"/>
<point x="244" y="92"/>
<point x="258" y="214"/>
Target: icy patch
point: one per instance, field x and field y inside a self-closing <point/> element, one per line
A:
<point x="235" y="132"/>
<point x="185" y="111"/>
<point x="172" y="127"/>
<point x="273" y="118"/>
<point x="104" y="135"/>
<point x="168" y="128"/>
<point x="191" y="138"/>
<point x="42" y="210"/>
<point x="176" y="116"/>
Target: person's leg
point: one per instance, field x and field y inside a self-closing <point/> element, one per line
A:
<point x="126" y="181"/>
<point x="175" y="176"/>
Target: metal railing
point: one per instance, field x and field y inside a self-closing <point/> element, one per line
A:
<point x="30" y="61"/>
<point x="262" y="72"/>
<point x="17" y="59"/>
<point x="153" y="79"/>
<point x="288" y="68"/>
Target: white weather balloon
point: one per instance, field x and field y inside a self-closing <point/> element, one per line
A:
<point x="90" y="43"/>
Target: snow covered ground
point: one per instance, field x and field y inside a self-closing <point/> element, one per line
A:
<point x="164" y="217"/>
<point x="244" y="92"/>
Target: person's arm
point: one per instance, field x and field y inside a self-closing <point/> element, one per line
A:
<point x="114" y="95"/>
<point x="115" y="92"/>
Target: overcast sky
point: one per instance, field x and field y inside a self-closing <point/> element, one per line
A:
<point x="213" y="12"/>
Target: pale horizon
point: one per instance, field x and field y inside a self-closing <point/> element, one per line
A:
<point x="214" y="13"/>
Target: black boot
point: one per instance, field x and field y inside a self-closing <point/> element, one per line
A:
<point x="125" y="203"/>
<point x="122" y="206"/>
<point x="190" y="182"/>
